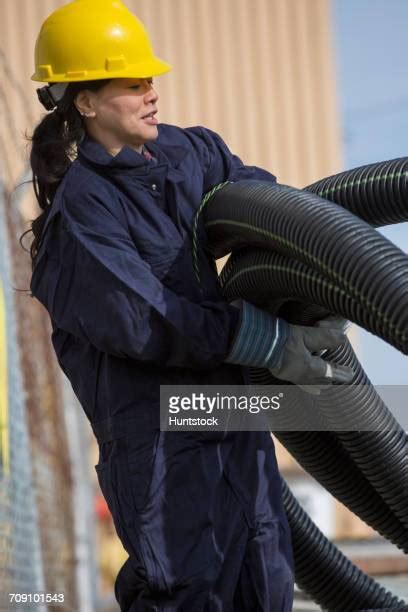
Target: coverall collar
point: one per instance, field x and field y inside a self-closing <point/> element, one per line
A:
<point x="127" y="157"/>
<point x="94" y="152"/>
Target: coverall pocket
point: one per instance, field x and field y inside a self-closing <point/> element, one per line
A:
<point x="141" y="450"/>
<point x="117" y="487"/>
<point x="103" y="472"/>
<point x="113" y="480"/>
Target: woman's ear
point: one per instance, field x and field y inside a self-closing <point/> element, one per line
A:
<point x="83" y="103"/>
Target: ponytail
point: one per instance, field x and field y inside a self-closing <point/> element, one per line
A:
<point x="54" y="145"/>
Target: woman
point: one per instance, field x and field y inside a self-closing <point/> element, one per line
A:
<point x="199" y="513"/>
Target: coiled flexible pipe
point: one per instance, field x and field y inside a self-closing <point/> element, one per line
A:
<point x="377" y="193"/>
<point x="322" y="454"/>
<point x="284" y="234"/>
<point x="325" y="237"/>
<point x="250" y="274"/>
<point x="335" y="582"/>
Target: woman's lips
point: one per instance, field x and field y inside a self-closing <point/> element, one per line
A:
<point x="150" y="119"/>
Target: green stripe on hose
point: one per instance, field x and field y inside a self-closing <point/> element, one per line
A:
<point x="204" y="201"/>
<point x="375" y="311"/>
<point x="354" y="183"/>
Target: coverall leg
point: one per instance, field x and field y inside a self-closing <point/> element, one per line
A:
<point x="202" y="519"/>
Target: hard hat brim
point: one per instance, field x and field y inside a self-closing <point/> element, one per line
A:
<point x="148" y="68"/>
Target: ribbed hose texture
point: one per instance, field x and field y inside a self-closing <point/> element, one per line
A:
<point x="260" y="276"/>
<point x="377" y="193"/>
<point x="336" y="465"/>
<point x="320" y="259"/>
<point x="322" y="570"/>
<point x="360" y="262"/>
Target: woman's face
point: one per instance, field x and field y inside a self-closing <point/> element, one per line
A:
<point x="123" y="112"/>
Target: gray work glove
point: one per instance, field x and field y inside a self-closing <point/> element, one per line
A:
<point x="334" y="322"/>
<point x="300" y="361"/>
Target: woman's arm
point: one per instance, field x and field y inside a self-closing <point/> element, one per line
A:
<point x="219" y="163"/>
<point x="96" y="286"/>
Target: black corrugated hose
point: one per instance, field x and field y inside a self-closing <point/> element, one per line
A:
<point x="322" y="455"/>
<point x="249" y="274"/>
<point x="371" y="272"/>
<point x="377" y="193"/>
<point x="337" y="264"/>
<point x="322" y="569"/>
<point x="328" y="239"/>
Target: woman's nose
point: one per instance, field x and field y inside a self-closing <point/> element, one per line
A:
<point x="151" y="94"/>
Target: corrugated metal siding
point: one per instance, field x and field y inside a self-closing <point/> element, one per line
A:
<point x="259" y="72"/>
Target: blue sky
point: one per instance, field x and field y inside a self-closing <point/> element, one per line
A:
<point x="371" y="50"/>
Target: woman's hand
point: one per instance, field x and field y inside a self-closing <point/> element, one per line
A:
<point x="300" y="359"/>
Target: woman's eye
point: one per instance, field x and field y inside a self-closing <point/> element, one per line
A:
<point x="150" y="81"/>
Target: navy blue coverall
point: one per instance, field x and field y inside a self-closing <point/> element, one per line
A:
<point x="199" y="513"/>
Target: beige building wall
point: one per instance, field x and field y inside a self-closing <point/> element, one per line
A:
<point x="259" y="72"/>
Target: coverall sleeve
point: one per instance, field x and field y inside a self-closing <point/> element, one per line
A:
<point x="96" y="286"/>
<point x="219" y="163"/>
<point x="259" y="337"/>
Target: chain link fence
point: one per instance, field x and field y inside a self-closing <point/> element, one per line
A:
<point x="20" y="552"/>
<point x="38" y="532"/>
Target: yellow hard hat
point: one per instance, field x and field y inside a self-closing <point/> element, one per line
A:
<point x="94" y="39"/>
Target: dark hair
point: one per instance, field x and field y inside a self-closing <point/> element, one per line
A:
<point x="53" y="149"/>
